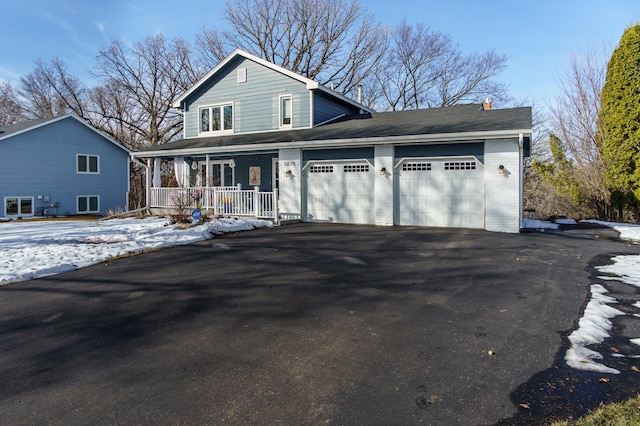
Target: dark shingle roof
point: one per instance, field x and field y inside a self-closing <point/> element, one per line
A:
<point x="454" y="119"/>
<point x="18" y="127"/>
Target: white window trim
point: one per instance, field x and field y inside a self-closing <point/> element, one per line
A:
<point x="241" y="74"/>
<point x="280" y="112"/>
<point x="88" y="204"/>
<point x="88" y="172"/>
<point x="33" y="206"/>
<point x="221" y="176"/>
<point x="217" y="132"/>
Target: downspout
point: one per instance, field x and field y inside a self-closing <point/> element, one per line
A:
<point x="521" y="185"/>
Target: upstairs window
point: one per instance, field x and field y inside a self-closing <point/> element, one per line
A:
<point x="87" y="163"/>
<point x="218" y="118"/>
<point x="286" y="111"/>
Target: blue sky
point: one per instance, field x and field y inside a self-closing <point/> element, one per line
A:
<point x="538" y="36"/>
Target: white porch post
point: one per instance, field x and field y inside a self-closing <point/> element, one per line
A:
<point x="208" y="172"/>
<point x="148" y="182"/>
<point x="256" y="201"/>
<point x="276" y="213"/>
<point x="157" y="179"/>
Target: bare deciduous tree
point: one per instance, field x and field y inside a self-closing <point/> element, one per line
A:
<point x="410" y="69"/>
<point x="10" y="107"/>
<point x="334" y="42"/>
<point x="46" y="94"/>
<point x="469" y="78"/>
<point x="574" y="118"/>
<point x="138" y="86"/>
<point x="424" y="68"/>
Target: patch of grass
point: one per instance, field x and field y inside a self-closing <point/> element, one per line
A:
<point x="618" y="414"/>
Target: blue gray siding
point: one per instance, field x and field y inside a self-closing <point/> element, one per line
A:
<point x="365" y="153"/>
<point x="42" y="161"/>
<point x="441" y="150"/>
<point x="263" y="161"/>
<point x="325" y="108"/>
<point x="255" y="102"/>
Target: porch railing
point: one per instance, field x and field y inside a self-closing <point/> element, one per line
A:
<point x="220" y="200"/>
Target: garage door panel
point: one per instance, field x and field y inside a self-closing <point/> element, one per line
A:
<point x="441" y="192"/>
<point x="340" y="192"/>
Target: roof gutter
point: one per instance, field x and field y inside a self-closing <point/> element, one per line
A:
<point x="335" y="143"/>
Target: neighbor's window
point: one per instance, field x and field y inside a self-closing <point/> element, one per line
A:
<point x="217" y="118"/>
<point x="17" y="206"/>
<point x="87" y="163"/>
<point x="88" y="203"/>
<point x="285" y="111"/>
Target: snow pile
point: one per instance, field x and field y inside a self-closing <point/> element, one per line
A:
<point x="565" y="221"/>
<point x="34" y="249"/>
<point x="627" y="231"/>
<point x="627" y="269"/>
<point x="593" y="328"/>
<point x="538" y="224"/>
<point x="595" y="324"/>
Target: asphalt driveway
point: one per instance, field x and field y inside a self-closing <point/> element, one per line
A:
<point x="301" y="324"/>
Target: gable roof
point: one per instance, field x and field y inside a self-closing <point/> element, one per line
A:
<point x="454" y="123"/>
<point x="311" y="85"/>
<point x="7" y="132"/>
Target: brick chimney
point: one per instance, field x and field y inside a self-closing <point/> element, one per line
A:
<point x="487" y="104"/>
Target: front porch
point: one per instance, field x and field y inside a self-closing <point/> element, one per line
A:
<point x="218" y="201"/>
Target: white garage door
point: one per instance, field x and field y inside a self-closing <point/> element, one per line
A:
<point x="441" y="192"/>
<point x="340" y="192"/>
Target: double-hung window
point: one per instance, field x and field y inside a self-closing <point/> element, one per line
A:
<point x="87" y="163"/>
<point x="217" y="118"/>
<point x="286" y="112"/>
<point x="88" y="204"/>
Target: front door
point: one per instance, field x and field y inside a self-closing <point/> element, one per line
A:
<point x="222" y="173"/>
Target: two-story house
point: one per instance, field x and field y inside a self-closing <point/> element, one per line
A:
<point x="61" y="166"/>
<point x="332" y="159"/>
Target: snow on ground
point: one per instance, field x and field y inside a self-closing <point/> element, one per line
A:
<point x="538" y="224"/>
<point x="565" y="221"/>
<point x="35" y="248"/>
<point x="593" y="328"/>
<point x="595" y="324"/>
<point x="625" y="269"/>
<point x="627" y="231"/>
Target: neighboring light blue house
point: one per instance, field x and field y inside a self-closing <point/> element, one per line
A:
<point x="61" y="166"/>
<point x="303" y="151"/>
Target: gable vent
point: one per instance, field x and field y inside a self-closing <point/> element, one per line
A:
<point x="242" y="75"/>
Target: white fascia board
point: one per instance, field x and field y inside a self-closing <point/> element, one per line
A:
<point x="344" y="98"/>
<point x="310" y="84"/>
<point x="35" y="126"/>
<point x="339" y="143"/>
<point x="63" y="117"/>
<point x="178" y="102"/>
